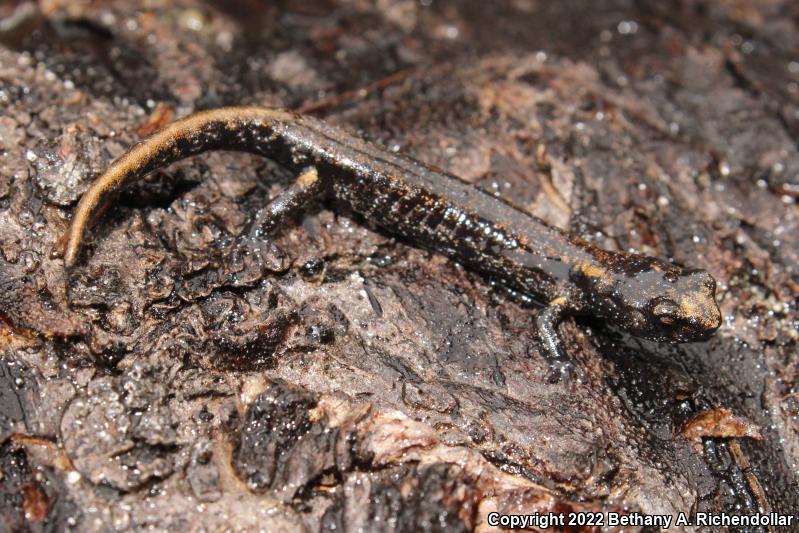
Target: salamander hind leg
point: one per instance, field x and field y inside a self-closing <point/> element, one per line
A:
<point x="551" y="344"/>
<point x="290" y="201"/>
<point x="255" y="242"/>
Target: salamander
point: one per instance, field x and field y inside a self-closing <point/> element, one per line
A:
<point x="430" y="208"/>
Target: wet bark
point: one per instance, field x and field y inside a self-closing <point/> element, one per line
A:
<point x="339" y="378"/>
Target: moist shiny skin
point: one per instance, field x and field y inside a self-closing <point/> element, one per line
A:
<point x="435" y="210"/>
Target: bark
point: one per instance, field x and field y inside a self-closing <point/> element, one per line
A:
<point x="346" y="380"/>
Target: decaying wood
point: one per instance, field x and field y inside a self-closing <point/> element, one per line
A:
<point x="333" y="377"/>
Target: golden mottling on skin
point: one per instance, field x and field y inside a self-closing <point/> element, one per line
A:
<point x="560" y="300"/>
<point x="593" y="270"/>
<point x="599" y="253"/>
<point x="688" y="306"/>
<point x="695" y="305"/>
<point x="308" y="178"/>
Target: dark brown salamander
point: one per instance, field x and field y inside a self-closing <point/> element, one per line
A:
<point x="645" y="296"/>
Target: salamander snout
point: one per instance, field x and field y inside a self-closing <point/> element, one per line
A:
<point x="687" y="312"/>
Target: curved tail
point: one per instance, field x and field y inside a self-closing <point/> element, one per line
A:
<point x="206" y="130"/>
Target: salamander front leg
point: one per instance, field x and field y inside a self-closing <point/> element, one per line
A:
<point x="546" y="323"/>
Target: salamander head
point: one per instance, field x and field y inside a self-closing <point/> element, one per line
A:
<point x="687" y="311"/>
<point x="653" y="299"/>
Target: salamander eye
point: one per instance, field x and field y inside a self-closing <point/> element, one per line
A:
<point x="666" y="312"/>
